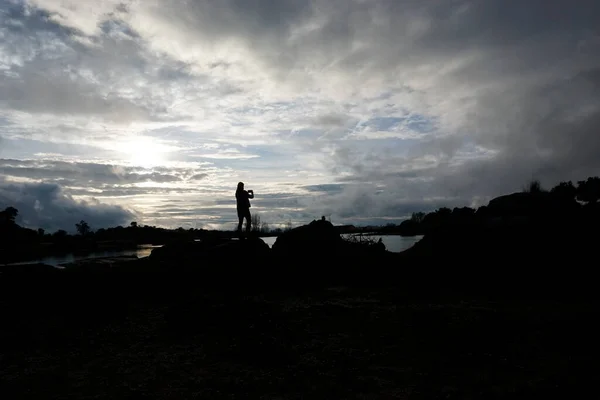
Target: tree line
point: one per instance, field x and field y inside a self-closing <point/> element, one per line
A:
<point x="564" y="196"/>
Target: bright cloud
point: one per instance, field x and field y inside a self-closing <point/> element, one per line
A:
<point x="387" y="107"/>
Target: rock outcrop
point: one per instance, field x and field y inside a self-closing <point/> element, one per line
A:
<point x="211" y="253"/>
<point x="512" y="231"/>
<point x="531" y="205"/>
<point x="319" y="241"/>
<point x="315" y="238"/>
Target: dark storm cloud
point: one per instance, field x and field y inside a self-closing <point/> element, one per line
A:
<point x="435" y="28"/>
<point x="551" y="135"/>
<point x="520" y="82"/>
<point x="252" y="20"/>
<point x="531" y="95"/>
<point x="46" y="206"/>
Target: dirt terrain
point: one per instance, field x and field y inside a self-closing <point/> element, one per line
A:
<point x="330" y="343"/>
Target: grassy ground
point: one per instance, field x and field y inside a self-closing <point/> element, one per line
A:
<point x="335" y="343"/>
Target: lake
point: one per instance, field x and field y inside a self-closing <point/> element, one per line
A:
<point x="140" y="252"/>
<point x="393" y="243"/>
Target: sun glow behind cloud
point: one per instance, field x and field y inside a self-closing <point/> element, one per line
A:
<point x="143" y="151"/>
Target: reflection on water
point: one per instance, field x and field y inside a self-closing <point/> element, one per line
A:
<point x="396" y="243"/>
<point x="140" y="252"/>
<point x="269" y="240"/>
<point x="393" y="243"/>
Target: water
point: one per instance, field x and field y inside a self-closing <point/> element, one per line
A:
<point x="269" y="240"/>
<point x="140" y="252"/>
<point x="393" y="243"/>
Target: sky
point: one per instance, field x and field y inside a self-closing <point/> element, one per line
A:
<point x="364" y="111"/>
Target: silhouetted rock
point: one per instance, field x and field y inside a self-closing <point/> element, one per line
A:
<point x="197" y="253"/>
<point x="316" y="241"/>
<point x="319" y="241"/>
<point x="528" y="229"/>
<point x="319" y="236"/>
<point x="512" y="204"/>
<point x="525" y="204"/>
<point x="410" y="228"/>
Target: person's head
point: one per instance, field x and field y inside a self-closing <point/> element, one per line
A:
<point x="240" y="186"/>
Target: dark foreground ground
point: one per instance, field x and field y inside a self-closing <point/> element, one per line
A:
<point x="390" y="340"/>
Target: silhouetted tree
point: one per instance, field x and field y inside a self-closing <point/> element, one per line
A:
<point x="436" y="219"/>
<point x="41" y="232"/>
<point x="534" y="187"/>
<point x="444" y="212"/>
<point x="83" y="228"/>
<point x="410" y="227"/>
<point x="589" y="190"/>
<point x="133" y="224"/>
<point x="61" y="233"/>
<point x="417" y="217"/>
<point x="462" y="212"/>
<point x="9" y="215"/>
<point x="481" y="211"/>
<point x="264" y="228"/>
<point x="256" y="222"/>
<point x="565" y="190"/>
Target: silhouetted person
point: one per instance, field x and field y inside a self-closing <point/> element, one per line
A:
<point x="243" y="206"/>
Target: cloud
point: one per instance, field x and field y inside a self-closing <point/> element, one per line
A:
<point x="198" y="177"/>
<point x="227" y="154"/>
<point x="79" y="17"/>
<point x="369" y="109"/>
<point x="325" y="188"/>
<point x="46" y="206"/>
<point x="35" y="82"/>
<point x="83" y="173"/>
<point x="124" y="191"/>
